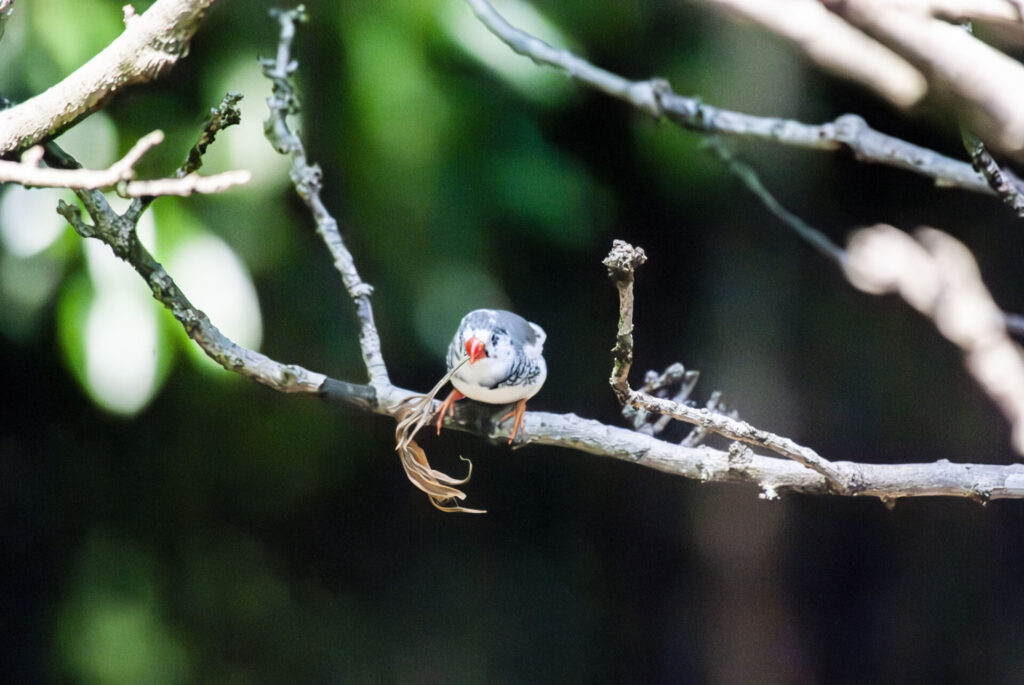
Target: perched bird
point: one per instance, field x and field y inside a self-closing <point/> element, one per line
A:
<point x="505" y="363"/>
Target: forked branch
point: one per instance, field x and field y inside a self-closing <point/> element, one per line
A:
<point x="802" y="470"/>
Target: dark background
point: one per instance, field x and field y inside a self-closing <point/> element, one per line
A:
<point x="227" y="533"/>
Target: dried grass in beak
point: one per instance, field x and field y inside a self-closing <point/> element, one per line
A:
<point x="413" y="414"/>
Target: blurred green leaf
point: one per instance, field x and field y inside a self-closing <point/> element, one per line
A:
<point x="110" y="628"/>
<point x="71" y="32"/>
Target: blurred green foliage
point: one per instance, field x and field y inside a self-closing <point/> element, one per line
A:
<point x="225" y="533"/>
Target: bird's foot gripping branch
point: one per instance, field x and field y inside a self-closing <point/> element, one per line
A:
<point x="495" y="358"/>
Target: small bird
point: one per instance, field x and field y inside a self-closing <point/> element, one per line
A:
<point x="505" y="363"/>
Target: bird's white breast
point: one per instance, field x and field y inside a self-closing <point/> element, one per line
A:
<point x="475" y="381"/>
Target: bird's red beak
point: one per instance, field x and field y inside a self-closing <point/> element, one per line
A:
<point x="475" y="349"/>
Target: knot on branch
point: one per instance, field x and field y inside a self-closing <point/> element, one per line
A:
<point x="623" y="260"/>
<point x="646" y="95"/>
<point x="849" y="127"/>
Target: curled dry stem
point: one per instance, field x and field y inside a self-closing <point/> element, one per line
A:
<point x="414" y="413"/>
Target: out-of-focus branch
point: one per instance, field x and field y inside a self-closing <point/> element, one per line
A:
<point x="982" y="10"/>
<point x="223" y="116"/>
<point x="150" y="44"/>
<point x="307" y="179"/>
<point x="843" y="49"/>
<point x="29" y="173"/>
<point x="1000" y="177"/>
<point x="6" y="10"/>
<point x="937" y="275"/>
<point x="988" y="85"/>
<point x="1008" y="14"/>
<point x="121" y="174"/>
<point x="655" y="97"/>
<point x="750" y="179"/>
<point x="834" y="45"/>
<point x="186" y="185"/>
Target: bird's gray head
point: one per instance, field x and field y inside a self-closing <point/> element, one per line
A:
<point x="498" y="334"/>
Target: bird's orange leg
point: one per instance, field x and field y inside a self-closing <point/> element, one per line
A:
<point x="517" y="412"/>
<point x="447" y="407"/>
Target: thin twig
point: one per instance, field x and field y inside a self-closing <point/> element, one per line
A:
<point x="307" y="179"/>
<point x="28" y="173"/>
<point x="186" y="185"/>
<point x="622" y="262"/>
<point x="120" y="174"/>
<point x="749" y="177"/>
<point x="224" y="115"/>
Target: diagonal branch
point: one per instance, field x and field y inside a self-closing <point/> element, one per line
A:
<point x="119" y="233"/>
<point x="308" y="180"/>
<point x="655" y="97"/>
<point x="814" y="237"/>
<point x="1002" y="180"/>
<point x="149" y="46"/>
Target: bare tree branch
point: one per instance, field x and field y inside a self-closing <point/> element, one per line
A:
<point x="749" y="177"/>
<point x="656" y="98"/>
<point x="772" y="475"/>
<point x="121" y="174"/>
<point x="29" y="173"/>
<point x="308" y="180"/>
<point x="1006" y="12"/>
<point x="223" y="116"/>
<point x="186" y="185"/>
<point x="149" y="46"/>
<point x="119" y="233"/>
<point x="622" y="263"/>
